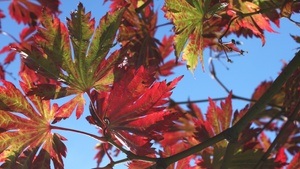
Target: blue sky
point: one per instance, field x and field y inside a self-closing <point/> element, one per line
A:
<point x="244" y="74"/>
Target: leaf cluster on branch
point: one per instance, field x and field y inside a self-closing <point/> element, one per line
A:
<point x="115" y="68"/>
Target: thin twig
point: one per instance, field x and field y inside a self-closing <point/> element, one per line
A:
<point x="9" y="35"/>
<point x="223" y="98"/>
<point x="81" y="132"/>
<point x="129" y="154"/>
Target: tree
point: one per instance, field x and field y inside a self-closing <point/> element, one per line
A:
<point x="115" y="68"/>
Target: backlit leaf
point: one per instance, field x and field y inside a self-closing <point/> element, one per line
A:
<point x="135" y="109"/>
<point x="188" y="30"/>
<point x="220" y="117"/>
<point x="137" y="35"/>
<point x="248" y="23"/>
<point x="26" y="140"/>
<point x="51" y="54"/>
<point x="24" y="11"/>
<point x="66" y="110"/>
<point x="12" y="49"/>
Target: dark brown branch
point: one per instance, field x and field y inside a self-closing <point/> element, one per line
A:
<point x="139" y="9"/>
<point x="281" y="136"/>
<point x="252" y="113"/>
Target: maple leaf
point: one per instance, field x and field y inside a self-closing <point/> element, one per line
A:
<point x="219" y="118"/>
<point x="24" y="11"/>
<point x="289" y="7"/>
<point x="102" y="149"/>
<point x="187" y="19"/>
<point x="51" y="54"/>
<point x="249" y="22"/>
<point x="136" y="34"/>
<point x="134" y="112"/>
<point x="26" y="140"/>
<point x="271" y="110"/>
<point x="272" y="14"/>
<point x="13" y="48"/>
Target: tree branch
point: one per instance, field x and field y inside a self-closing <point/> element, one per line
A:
<point x="281" y="135"/>
<point x="139" y="9"/>
<point x="259" y="106"/>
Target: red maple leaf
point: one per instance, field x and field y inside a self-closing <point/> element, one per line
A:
<point x="248" y="24"/>
<point x="24" y="11"/>
<point x="134" y="112"/>
<point x="13" y="48"/>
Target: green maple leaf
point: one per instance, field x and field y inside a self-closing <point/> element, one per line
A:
<point x="188" y="20"/>
<point x="26" y="140"/>
<point x="75" y="53"/>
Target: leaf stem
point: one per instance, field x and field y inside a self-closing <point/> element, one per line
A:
<point x="9" y="35"/>
<point x="103" y="139"/>
<point x="113" y="163"/>
<point x="223" y="98"/>
<point x="164" y="24"/>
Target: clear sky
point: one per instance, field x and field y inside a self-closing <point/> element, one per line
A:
<point x="243" y="76"/>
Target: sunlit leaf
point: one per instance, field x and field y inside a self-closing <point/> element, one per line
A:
<point x="248" y="22"/>
<point x="84" y="64"/>
<point x="135" y="109"/>
<point x="188" y="30"/>
<point x="26" y="140"/>
<point x="24" y="11"/>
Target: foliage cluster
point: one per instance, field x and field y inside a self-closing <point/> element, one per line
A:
<point x="127" y="102"/>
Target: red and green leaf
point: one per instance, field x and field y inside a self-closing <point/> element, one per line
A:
<point x="26" y="140"/>
<point x="51" y="54"/>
